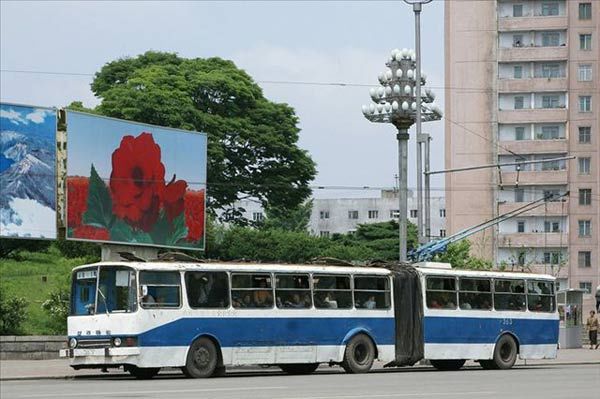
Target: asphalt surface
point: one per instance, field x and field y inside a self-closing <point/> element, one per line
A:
<point x="566" y="381"/>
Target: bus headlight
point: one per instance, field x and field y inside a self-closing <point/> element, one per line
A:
<point x="117" y="341"/>
<point x="72" y="343"/>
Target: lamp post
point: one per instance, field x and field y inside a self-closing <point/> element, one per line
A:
<point x="423" y="236"/>
<point x="395" y="102"/>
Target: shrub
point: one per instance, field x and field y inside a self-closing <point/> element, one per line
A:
<point x="74" y="249"/>
<point x="12" y="314"/>
<point x="10" y="247"/>
<point x="57" y="307"/>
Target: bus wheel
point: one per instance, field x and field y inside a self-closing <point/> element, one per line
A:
<point x="488" y="364"/>
<point x="143" y="373"/>
<point x="202" y="359"/>
<point x="359" y="355"/>
<point x="505" y="352"/>
<point x="447" y="365"/>
<point x="299" y="368"/>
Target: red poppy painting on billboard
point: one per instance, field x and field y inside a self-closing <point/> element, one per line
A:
<point x="135" y="184"/>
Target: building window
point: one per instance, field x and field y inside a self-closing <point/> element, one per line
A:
<point x="585" y="228"/>
<point x="442" y="232"/>
<point x="442" y="213"/>
<point x="519" y="102"/>
<point x="352" y="214"/>
<point x="324" y="215"/>
<point x="551" y="70"/>
<point x="258" y="216"/>
<point x="552" y="258"/>
<point x="519" y="133"/>
<point x="584" y="259"/>
<point x="585" y="103"/>
<point x="414" y="213"/>
<point x="517" y="40"/>
<point x="373" y="214"/>
<point x="394" y="213"/>
<point x="519" y="195"/>
<point x="550" y="101"/>
<point x="521" y="226"/>
<point x="585" y="134"/>
<point x="585" y="10"/>
<point x="549" y="133"/>
<point x="586" y="286"/>
<point x="584" y="72"/>
<point x="549" y="8"/>
<point x="323" y="233"/>
<point x="585" y="41"/>
<point x="518" y="10"/>
<point x="551" y="195"/>
<point x="585" y="196"/>
<point x="551" y="227"/>
<point x="584" y="165"/>
<point x="550" y="39"/>
<point x="518" y="72"/>
<point x="521" y="257"/>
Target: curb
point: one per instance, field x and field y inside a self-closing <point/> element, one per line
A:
<point x="96" y="376"/>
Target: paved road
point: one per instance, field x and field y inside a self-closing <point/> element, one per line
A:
<point x="547" y="382"/>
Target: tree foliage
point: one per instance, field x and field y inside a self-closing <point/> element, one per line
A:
<point x="295" y="219"/>
<point x="459" y="256"/>
<point x="252" y="142"/>
<point x="10" y="247"/>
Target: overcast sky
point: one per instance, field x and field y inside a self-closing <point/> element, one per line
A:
<point x="343" y="41"/>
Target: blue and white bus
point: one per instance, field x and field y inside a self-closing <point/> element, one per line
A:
<point x="203" y="317"/>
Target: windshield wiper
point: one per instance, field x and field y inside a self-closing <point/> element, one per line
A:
<point x="104" y="300"/>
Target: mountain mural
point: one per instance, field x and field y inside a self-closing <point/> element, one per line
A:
<point x="27" y="172"/>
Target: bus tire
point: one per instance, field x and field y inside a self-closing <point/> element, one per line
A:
<point x="143" y="373"/>
<point x="488" y="364"/>
<point x="299" y="368"/>
<point x="505" y="352"/>
<point x="359" y="355"/>
<point x="202" y="359"/>
<point x="447" y="365"/>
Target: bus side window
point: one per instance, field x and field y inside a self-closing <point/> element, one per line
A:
<point x="160" y="289"/>
<point x="332" y="291"/>
<point x="509" y="294"/>
<point x="540" y="296"/>
<point x="292" y="291"/>
<point x="251" y="290"/>
<point x="371" y="292"/>
<point x="207" y="289"/>
<point x="475" y="294"/>
<point x="441" y="292"/>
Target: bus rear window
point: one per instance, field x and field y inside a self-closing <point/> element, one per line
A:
<point x="160" y="289"/>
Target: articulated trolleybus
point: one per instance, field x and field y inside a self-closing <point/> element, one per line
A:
<point x="203" y="317"/>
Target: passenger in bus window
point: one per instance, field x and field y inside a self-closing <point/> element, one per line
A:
<point x="434" y="304"/>
<point x="370" y="303"/>
<point x="329" y="301"/>
<point x="262" y="297"/>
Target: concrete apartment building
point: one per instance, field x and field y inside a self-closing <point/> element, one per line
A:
<point x="343" y="215"/>
<point x="522" y="83"/>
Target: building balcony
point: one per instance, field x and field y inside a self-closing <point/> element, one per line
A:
<point x="516" y="54"/>
<point x="509" y="24"/>
<point x="534" y="146"/>
<point x="533" y="115"/>
<point x="556" y="208"/>
<point x="531" y="178"/>
<point x="533" y="240"/>
<point x="532" y="84"/>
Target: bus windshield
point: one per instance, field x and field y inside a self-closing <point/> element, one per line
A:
<point x="116" y="291"/>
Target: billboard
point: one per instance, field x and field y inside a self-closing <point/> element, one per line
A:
<point x="136" y="184"/>
<point x="27" y="171"/>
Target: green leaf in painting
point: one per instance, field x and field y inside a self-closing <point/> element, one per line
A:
<point x="161" y="229"/>
<point x="179" y="231"/>
<point x="121" y="231"/>
<point x="99" y="205"/>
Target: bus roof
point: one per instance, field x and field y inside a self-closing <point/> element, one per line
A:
<point x="274" y="267"/>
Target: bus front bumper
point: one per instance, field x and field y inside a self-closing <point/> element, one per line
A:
<point x="99" y="354"/>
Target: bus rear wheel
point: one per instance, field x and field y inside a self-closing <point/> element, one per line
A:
<point x="447" y="365"/>
<point x="202" y="359"/>
<point x="143" y="373"/>
<point x="505" y="352"/>
<point x="359" y="355"/>
<point x="299" y="368"/>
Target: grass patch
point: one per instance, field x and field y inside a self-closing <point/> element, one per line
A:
<point x="33" y="275"/>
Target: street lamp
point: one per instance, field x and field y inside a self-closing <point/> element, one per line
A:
<point x="395" y="102"/>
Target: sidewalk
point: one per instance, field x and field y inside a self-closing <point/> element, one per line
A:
<point x="59" y="368"/>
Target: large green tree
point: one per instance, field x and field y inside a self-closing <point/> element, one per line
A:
<point x="252" y="142"/>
